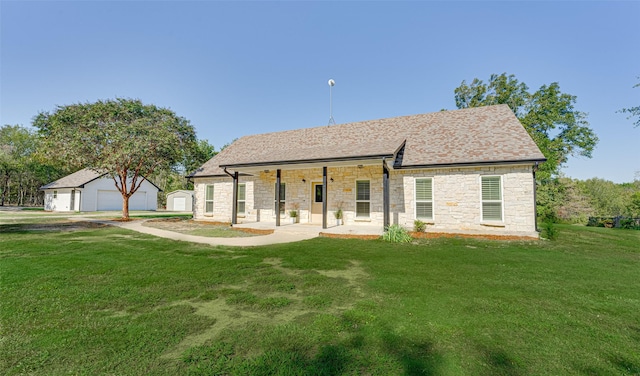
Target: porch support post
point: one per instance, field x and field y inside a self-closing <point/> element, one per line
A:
<point x="535" y="199"/>
<point x="324" y="197"/>
<point x="234" y="209"/>
<point x="234" y="206"/>
<point x="278" y="197"/>
<point x="385" y="194"/>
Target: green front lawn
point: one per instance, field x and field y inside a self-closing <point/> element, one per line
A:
<point x="110" y="301"/>
<point x="185" y="225"/>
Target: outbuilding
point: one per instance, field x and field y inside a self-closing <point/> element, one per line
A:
<point x="89" y="190"/>
<point x="180" y="200"/>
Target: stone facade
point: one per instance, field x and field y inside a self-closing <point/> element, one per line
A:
<point x="457" y="203"/>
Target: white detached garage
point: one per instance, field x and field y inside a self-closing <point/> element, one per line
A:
<point x="88" y="190"/>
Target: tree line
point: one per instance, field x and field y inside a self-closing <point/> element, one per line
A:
<point x="130" y="140"/>
<point x="25" y="166"/>
<point x="22" y="170"/>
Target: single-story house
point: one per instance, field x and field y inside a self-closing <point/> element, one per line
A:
<point x="463" y="171"/>
<point x="180" y="200"/>
<point x="88" y="190"/>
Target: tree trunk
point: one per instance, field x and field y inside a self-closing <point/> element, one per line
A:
<point x="20" y="194"/>
<point x="125" y="207"/>
<point x="5" y="189"/>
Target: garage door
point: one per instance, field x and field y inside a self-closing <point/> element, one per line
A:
<point x="112" y="200"/>
<point x="180" y="203"/>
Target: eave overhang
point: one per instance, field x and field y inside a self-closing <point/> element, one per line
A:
<point x="254" y="168"/>
<point x="471" y="164"/>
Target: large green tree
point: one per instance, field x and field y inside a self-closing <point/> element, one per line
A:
<point x="547" y="114"/>
<point x="17" y="144"/>
<point x="22" y="171"/>
<point x="127" y="139"/>
<point x="175" y="178"/>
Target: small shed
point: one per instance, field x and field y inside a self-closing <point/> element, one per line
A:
<point x="180" y="200"/>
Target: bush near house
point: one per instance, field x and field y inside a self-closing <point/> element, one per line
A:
<point x="618" y="222"/>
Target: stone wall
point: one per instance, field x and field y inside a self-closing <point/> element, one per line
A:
<point x="456" y="197"/>
<point x="223" y="199"/>
<point x="457" y="205"/>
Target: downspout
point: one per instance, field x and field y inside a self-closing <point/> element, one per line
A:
<point x="278" y="182"/>
<point x="385" y="194"/>
<point x="234" y="207"/>
<point x="535" y="199"/>
<point x="324" y="197"/>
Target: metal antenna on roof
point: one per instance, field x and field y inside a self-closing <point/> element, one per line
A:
<point x="331" y="121"/>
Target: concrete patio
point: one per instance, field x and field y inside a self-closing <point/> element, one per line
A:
<point x="360" y="231"/>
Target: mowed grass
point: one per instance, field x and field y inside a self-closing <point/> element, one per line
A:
<point x="110" y="301"/>
<point x="185" y="225"/>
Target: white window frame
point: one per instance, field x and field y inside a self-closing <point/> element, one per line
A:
<point x="209" y="200"/>
<point x="242" y="200"/>
<point x="490" y="201"/>
<point x="416" y="200"/>
<point x="368" y="201"/>
<point x="55" y="194"/>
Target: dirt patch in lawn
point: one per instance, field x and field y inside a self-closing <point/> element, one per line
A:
<point x="229" y="315"/>
<point x="50" y="226"/>
<point x="191" y="227"/>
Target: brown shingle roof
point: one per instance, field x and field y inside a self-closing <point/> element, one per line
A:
<point x="78" y="179"/>
<point x="75" y="180"/>
<point x="490" y="134"/>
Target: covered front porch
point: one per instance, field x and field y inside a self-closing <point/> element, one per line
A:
<point x="359" y="230"/>
<point x="354" y="192"/>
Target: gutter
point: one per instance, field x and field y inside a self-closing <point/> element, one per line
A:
<point x="535" y="198"/>
<point x="304" y="161"/>
<point x="470" y="164"/>
<point x="227" y="172"/>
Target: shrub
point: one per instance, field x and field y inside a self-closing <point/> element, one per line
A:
<point x="396" y="234"/>
<point x="630" y="223"/>
<point x="419" y="226"/>
<point x="608" y="223"/>
<point x="593" y="222"/>
<point x="550" y="230"/>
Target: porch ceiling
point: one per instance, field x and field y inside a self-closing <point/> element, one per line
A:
<point x="303" y="165"/>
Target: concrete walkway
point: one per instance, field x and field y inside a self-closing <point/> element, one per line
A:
<point x="286" y="233"/>
<point x="280" y="235"/>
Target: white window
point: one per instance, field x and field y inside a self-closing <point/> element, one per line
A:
<point x="491" y="198"/>
<point x="283" y="198"/>
<point x="424" y="198"/>
<point x="208" y="200"/>
<point x="241" y="198"/>
<point x="363" y="199"/>
<point x="55" y="194"/>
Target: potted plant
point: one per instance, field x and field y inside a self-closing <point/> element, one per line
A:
<point x="293" y="213"/>
<point x="338" y="214"/>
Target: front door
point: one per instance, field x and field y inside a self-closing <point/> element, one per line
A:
<point x="316" y="203"/>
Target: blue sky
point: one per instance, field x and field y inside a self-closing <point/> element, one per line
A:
<point x="239" y="68"/>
